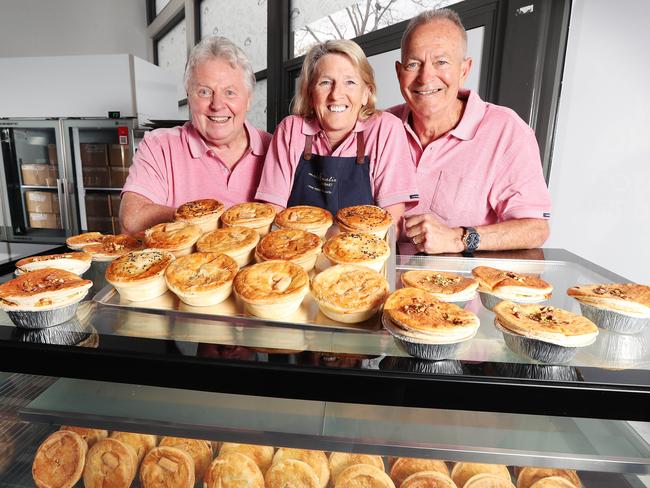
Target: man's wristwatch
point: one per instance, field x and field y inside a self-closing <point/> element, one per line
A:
<point x="471" y="240"/>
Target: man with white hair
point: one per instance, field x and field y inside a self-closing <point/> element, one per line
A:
<point x="478" y="164"/>
<point x="218" y="154"/>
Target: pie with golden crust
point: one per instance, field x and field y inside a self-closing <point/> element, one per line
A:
<point x="402" y="468"/>
<point x="349" y="293"/>
<point x="530" y="475"/>
<point x="305" y="217"/>
<point x="357" y="248"/>
<point x="233" y="470"/>
<point x="510" y="285"/>
<point x="339" y="461"/>
<point x="553" y="482"/>
<point x="462" y="472"/>
<point x="297" y="246"/>
<point x="258" y="216"/>
<point x="112" y="247"/>
<point x="202" y="278"/>
<point x="488" y="480"/>
<point x="628" y="298"/>
<point x="81" y="240"/>
<point x="272" y="288"/>
<point x="428" y="479"/>
<point x="548" y="324"/>
<point x="140" y="443"/>
<point x="87" y="434"/>
<point x="291" y="473"/>
<point x="140" y="275"/>
<point x="75" y="262"/>
<point x="43" y="289"/>
<point x="419" y="314"/>
<point x="199" y="450"/>
<point x="204" y="213"/>
<point x="59" y="460"/>
<point x="448" y="287"/>
<point x="176" y="237"/>
<point x="237" y="242"/>
<point x="363" y="476"/>
<point x="262" y="455"/>
<point x="167" y="467"/>
<point x="316" y="459"/>
<point x="364" y="218"/>
<point x="110" y="463"/>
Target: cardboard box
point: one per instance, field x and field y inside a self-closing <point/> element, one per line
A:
<point x="100" y="224"/>
<point x="94" y="155"/>
<point x="118" y="176"/>
<point x="97" y="205"/>
<point x="42" y="202"/>
<point x="115" y="204"/>
<point x="120" y="155"/>
<point x="95" y="176"/>
<point x="52" y="155"/>
<point x="35" y="174"/>
<point x="38" y="220"/>
<point x="52" y="175"/>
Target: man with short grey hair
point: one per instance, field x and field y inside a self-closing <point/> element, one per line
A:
<point x="479" y="172"/>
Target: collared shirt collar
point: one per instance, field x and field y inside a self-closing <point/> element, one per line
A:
<point x="313" y="127"/>
<point x="198" y="147"/>
<point x="469" y="122"/>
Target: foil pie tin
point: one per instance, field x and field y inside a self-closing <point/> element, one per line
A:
<point x="42" y="318"/>
<point x="545" y="352"/>
<point x="489" y="300"/>
<point x="67" y="334"/>
<point x="424" y="350"/>
<point x="445" y="366"/>
<point x="614" y="321"/>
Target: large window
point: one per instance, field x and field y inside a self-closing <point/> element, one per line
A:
<point x="171" y="53"/>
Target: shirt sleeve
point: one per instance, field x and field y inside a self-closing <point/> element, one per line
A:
<point x="393" y="174"/>
<point x="279" y="166"/>
<point x="147" y="175"/>
<point x="520" y="191"/>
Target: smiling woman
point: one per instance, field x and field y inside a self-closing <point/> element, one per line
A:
<point x="337" y="150"/>
<point x="218" y="155"/>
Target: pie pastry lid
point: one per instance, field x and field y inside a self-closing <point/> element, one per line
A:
<point x="361" y="475"/>
<point x="365" y="218"/>
<point x="614" y="320"/>
<point x="305" y="217"/>
<point x="404" y="467"/>
<point x="488" y="480"/>
<point x="529" y="476"/>
<point x="59" y="460"/>
<point x="110" y="463"/>
<point x="81" y="240"/>
<point x="423" y="350"/>
<point x="77" y="263"/>
<point x="381" y="233"/>
<point x="464" y="471"/>
<point x="545" y="352"/>
<point x="553" y="482"/>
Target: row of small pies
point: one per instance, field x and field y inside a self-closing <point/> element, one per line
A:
<point x="72" y="452"/>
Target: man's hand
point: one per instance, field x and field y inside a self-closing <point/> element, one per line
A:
<point x="432" y="237"/>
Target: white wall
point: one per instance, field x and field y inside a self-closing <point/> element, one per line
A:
<point x="65" y="27"/>
<point x="600" y="174"/>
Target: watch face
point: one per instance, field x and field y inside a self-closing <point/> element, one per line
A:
<point x="472" y="241"/>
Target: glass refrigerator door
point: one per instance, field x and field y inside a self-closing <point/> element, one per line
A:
<point x="101" y="153"/>
<point x="37" y="203"/>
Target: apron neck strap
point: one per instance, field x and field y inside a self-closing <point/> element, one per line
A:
<point x="361" y="148"/>
<point x="308" y="143"/>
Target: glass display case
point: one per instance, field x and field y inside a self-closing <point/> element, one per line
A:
<point x="233" y="378"/>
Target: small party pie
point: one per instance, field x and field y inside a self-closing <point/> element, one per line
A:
<point x="178" y="238"/>
<point x="314" y="458"/>
<point x="59" y="460"/>
<point x="298" y="246"/>
<point x="258" y="216"/>
<point x="349" y="293"/>
<point x="428" y="479"/>
<point x="339" y="461"/>
<point x="204" y="213"/>
<point x="112" y="247"/>
<point x="357" y="248"/>
<point x="166" y="466"/>
<point x="233" y="470"/>
<point x="403" y="467"/>
<point x="364" y="218"/>
<point x="140" y="275"/>
<point x="202" y="278"/>
<point x="462" y="471"/>
<point x="237" y="242"/>
<point x="110" y="462"/>
<point x="291" y="473"/>
<point x="305" y="217"/>
<point x="262" y="455"/>
<point x="364" y="475"/>
<point x="272" y="289"/>
<point x="75" y="262"/>
<point x="529" y="476"/>
<point x="447" y="287"/>
<point x="199" y="450"/>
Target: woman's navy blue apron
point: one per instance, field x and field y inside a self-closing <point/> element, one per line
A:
<point x="332" y="182"/>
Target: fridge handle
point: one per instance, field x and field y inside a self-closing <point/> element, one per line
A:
<point x="63" y="203"/>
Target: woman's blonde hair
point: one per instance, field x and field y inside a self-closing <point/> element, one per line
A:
<point x="302" y="104"/>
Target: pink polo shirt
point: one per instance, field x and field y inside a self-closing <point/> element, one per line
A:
<point x="392" y="175"/>
<point x="174" y="166"/>
<point x="484" y="171"/>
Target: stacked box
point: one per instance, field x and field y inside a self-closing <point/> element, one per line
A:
<point x="96" y="176"/>
<point x="35" y="174"/>
<point x="118" y="176"/>
<point x="52" y="155"/>
<point x="119" y="155"/>
<point x="39" y="220"/>
<point x="42" y="202"/>
<point x="94" y="154"/>
<point x="52" y="175"/>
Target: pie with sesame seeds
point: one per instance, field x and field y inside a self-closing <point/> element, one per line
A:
<point x="140" y="275"/>
<point x="204" y="213"/>
<point x="357" y="248"/>
<point x="364" y="218"/>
